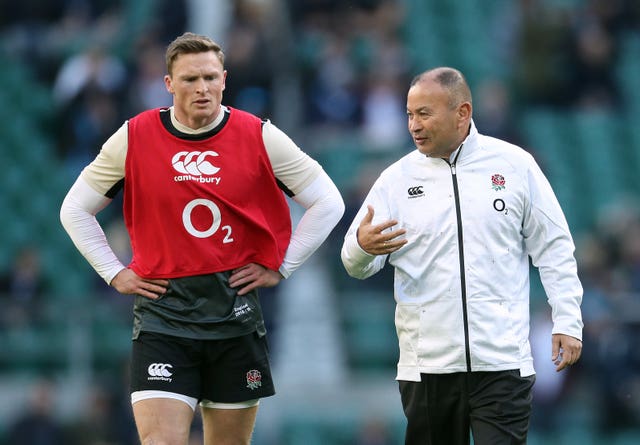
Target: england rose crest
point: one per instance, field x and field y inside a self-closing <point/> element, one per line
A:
<point x="497" y="182"/>
<point x="254" y="379"/>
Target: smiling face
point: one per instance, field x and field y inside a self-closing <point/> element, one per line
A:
<point x="437" y="125"/>
<point x="196" y="81"/>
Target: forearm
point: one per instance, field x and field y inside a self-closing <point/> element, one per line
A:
<point x="358" y="263"/>
<point x="77" y="215"/>
<point x="324" y="208"/>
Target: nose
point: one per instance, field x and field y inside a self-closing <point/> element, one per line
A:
<point x="203" y="87"/>
<point x="414" y="125"/>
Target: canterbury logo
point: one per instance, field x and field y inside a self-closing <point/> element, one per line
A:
<point x="194" y="163"/>
<point x="160" y="370"/>
<point x="415" y="191"/>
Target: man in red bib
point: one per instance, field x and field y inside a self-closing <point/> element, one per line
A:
<point x="209" y="225"/>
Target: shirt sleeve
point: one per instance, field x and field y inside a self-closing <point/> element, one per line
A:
<point x="107" y="169"/>
<point x="550" y="245"/>
<point x="324" y="207"/>
<point x="310" y="187"/>
<point x="77" y="215"/>
<point x="357" y="262"/>
<point x="291" y="166"/>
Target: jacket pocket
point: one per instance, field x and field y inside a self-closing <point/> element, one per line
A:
<point x="494" y="337"/>
<point x="441" y="335"/>
<point x="407" y="324"/>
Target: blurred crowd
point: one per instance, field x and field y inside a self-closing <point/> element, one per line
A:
<point x="333" y="73"/>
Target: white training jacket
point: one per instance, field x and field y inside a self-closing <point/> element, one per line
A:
<point x="462" y="281"/>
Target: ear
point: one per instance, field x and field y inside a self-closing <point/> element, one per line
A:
<point x="168" y="84"/>
<point x="464" y="111"/>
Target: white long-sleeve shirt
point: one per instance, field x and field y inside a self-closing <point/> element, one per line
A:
<point x="462" y="281"/>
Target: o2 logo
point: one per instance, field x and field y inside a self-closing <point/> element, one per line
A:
<point x="215" y="223"/>
<point x="500" y="206"/>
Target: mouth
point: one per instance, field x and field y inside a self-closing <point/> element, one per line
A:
<point x="202" y="102"/>
<point x="420" y="140"/>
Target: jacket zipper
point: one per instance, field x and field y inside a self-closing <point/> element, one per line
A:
<point x="463" y="285"/>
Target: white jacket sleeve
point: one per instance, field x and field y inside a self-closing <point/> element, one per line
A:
<point x="324" y="208"/>
<point x="77" y="215"/>
<point x="357" y="262"/>
<point x="550" y="245"/>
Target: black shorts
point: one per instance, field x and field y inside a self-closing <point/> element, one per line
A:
<point x="224" y="371"/>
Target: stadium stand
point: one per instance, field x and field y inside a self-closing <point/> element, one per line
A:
<point x="590" y="156"/>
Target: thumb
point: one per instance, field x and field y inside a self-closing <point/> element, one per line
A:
<point x="369" y="216"/>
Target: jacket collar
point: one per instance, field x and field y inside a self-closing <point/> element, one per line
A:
<point x="470" y="144"/>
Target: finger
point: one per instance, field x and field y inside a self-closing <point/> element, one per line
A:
<point x="236" y="280"/>
<point x="555" y="348"/>
<point x="159" y="282"/>
<point x="147" y="294"/>
<point x="240" y="278"/>
<point x="392" y="246"/>
<point x="393" y="237"/>
<point x="369" y="216"/>
<point x="573" y="355"/>
<point x="155" y="289"/>
<point x="151" y="287"/>
<point x="576" y="346"/>
<point x="250" y="283"/>
<point x="577" y="355"/>
<point x="245" y="290"/>
<point x="157" y="286"/>
<point x="565" y="362"/>
<point x="379" y="228"/>
<point x="240" y="269"/>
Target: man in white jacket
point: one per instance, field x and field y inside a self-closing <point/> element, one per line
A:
<point x="458" y="219"/>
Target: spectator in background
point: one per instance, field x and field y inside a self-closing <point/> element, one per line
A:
<point x="594" y="83"/>
<point x="542" y="32"/>
<point x="373" y="431"/>
<point x="23" y="290"/>
<point x="95" y="426"/>
<point x="38" y="424"/>
<point x="147" y="90"/>
<point x="333" y="94"/>
<point x="609" y="260"/>
<point x="249" y="57"/>
<point x="95" y="115"/>
<point x="87" y="88"/>
<point x="564" y="55"/>
<point x="495" y="113"/>
<point x="93" y="68"/>
<point x="383" y="114"/>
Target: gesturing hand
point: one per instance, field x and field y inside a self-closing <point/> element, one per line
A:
<point x="372" y="239"/>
